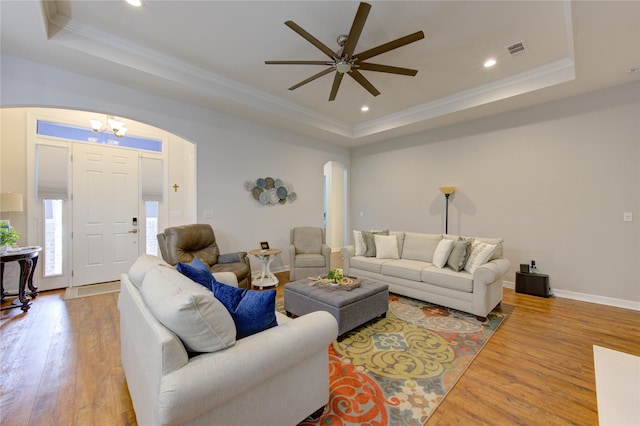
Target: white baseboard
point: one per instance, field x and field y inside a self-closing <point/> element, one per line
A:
<point x="584" y="297"/>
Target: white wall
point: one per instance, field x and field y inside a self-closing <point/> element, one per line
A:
<point x="553" y="180"/>
<point x="230" y="151"/>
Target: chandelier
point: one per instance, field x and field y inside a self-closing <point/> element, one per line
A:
<point x="113" y="125"/>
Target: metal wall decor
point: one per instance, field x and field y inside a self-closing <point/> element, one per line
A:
<point x="270" y="191"/>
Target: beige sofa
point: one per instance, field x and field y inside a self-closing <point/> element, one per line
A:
<point x="477" y="289"/>
<point x="246" y="383"/>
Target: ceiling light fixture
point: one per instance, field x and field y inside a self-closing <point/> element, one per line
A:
<point x="117" y="127"/>
<point x="489" y="63"/>
<point x="364" y="108"/>
<point x="135" y="3"/>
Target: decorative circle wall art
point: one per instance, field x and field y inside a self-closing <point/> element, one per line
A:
<point x="269" y="191"/>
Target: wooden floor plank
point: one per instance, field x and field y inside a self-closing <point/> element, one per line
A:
<point x="61" y="363"/>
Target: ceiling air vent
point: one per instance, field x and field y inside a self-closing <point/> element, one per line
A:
<point x="517" y="48"/>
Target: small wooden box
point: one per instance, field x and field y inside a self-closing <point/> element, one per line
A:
<point x="534" y="284"/>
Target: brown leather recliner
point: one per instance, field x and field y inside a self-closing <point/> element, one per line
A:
<point x="183" y="243"/>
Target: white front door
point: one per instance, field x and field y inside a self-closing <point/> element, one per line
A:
<point x="105" y="212"/>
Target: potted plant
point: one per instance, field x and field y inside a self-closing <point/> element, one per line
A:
<point x="8" y="237"/>
<point x="336" y="275"/>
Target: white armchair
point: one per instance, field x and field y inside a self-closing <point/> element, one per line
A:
<point x="309" y="255"/>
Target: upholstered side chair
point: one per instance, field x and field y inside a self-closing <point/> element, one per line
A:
<point x="309" y="255"/>
<point x="183" y="243"/>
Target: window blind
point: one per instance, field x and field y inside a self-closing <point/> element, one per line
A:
<point x="152" y="179"/>
<point x="52" y="169"/>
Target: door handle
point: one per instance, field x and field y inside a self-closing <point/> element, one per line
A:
<point x="133" y="231"/>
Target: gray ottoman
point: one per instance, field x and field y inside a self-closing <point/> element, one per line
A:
<point x="350" y="308"/>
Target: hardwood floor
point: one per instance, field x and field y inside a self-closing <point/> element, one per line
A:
<point x="60" y="363"/>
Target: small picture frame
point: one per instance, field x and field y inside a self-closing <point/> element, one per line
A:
<point x="264" y="245"/>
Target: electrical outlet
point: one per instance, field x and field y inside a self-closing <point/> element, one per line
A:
<point x="207" y="214"/>
<point x="627" y="216"/>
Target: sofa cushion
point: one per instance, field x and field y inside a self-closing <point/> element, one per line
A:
<point x="458" y="256"/>
<point x="420" y="246"/>
<point x="404" y="268"/>
<point x="370" y="241"/>
<point x="140" y="267"/>
<point x="386" y="246"/>
<point x="188" y="309"/>
<point x="370" y="264"/>
<point x="446" y="278"/>
<point x="442" y="252"/>
<point x="197" y="271"/>
<point x="480" y="254"/>
<point x="359" y="243"/>
<point x="307" y="239"/>
<point x="309" y="261"/>
<point x="252" y="311"/>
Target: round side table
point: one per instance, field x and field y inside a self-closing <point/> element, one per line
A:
<point x="266" y="278"/>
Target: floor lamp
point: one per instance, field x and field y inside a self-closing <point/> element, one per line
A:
<point x="447" y="190"/>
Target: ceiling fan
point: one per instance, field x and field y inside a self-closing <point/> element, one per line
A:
<point x="344" y="61"/>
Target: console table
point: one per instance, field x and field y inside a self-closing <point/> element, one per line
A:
<point x="266" y="278"/>
<point x="27" y="257"/>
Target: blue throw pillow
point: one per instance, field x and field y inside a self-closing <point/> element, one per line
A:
<point x="252" y="311"/>
<point x="197" y="271"/>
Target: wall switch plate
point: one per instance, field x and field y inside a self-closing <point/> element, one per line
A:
<point x="361" y="214"/>
<point x="627" y="216"/>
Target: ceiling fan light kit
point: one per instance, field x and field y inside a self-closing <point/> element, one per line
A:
<point x="344" y="61"/>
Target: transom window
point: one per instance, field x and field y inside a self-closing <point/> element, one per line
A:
<point x="66" y="131"/>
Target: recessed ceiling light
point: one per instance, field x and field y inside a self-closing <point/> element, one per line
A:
<point x="136" y="3"/>
<point x="489" y="63"/>
<point x="364" y="108"/>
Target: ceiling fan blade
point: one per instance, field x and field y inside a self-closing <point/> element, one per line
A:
<point x="336" y="85"/>
<point x="356" y="29"/>
<point x="313" y="77"/>
<point x="298" y="63"/>
<point x="362" y="56"/>
<point x="311" y="39"/>
<point x="386" y="68"/>
<point x="355" y="74"/>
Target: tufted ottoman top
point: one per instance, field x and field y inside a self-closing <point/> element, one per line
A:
<point x="336" y="298"/>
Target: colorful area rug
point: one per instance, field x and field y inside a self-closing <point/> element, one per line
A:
<point x="396" y="370"/>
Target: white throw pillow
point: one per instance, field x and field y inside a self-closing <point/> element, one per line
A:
<point x="188" y="309"/>
<point x="386" y="246"/>
<point x="480" y="254"/>
<point x="443" y="250"/>
<point x="361" y="247"/>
